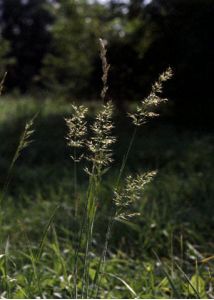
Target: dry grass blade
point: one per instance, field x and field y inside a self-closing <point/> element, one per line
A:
<point x="207" y="259"/>
<point x="41" y="245"/>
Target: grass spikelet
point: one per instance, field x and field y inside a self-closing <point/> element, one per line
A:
<point x="100" y="144"/>
<point x="25" y="139"/>
<point x="146" y="110"/>
<point x="24" y="142"/>
<point x="105" y="67"/>
<point x="130" y="194"/>
<point x="76" y="130"/>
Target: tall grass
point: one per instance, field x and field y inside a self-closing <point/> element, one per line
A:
<point x="81" y="272"/>
<point x="24" y="141"/>
<point x="98" y="152"/>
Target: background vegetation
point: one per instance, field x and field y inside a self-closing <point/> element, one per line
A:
<point x="52" y="45"/>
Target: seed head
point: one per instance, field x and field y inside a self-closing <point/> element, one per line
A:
<point x="77" y="129"/>
<point x="145" y="110"/>
<point x="25" y="140"/>
<point x="105" y="67"/>
<point x="131" y="193"/>
<point x="100" y="144"/>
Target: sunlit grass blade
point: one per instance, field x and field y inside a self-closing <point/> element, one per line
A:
<point x="129" y="288"/>
<point x="188" y="280"/>
<point x="6" y="258"/>
<point x="44" y="235"/>
<point x="174" y="289"/>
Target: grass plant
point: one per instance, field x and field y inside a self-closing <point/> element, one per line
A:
<point x="69" y="237"/>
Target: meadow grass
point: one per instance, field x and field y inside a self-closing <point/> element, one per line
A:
<point x="176" y="211"/>
<point x="101" y="227"/>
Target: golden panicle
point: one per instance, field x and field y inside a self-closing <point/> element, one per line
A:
<point x="131" y="193"/>
<point x="158" y="85"/>
<point x="145" y="110"/>
<point x="77" y="129"/>
<point x="105" y="67"/>
<point x="100" y="144"/>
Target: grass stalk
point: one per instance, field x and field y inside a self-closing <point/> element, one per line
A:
<point x="91" y="212"/>
<point x="24" y="141"/>
<point x="101" y="264"/>
<point x="125" y="157"/>
<point x="100" y="267"/>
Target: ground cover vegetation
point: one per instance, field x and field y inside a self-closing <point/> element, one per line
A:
<point x="99" y="204"/>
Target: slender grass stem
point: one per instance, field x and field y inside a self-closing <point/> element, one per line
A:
<point x="76" y="255"/>
<point x="125" y="157"/>
<point x="89" y="227"/>
<point x="75" y="183"/>
<point x="100" y="268"/>
<point x="95" y="180"/>
<point x="75" y="215"/>
<point x="101" y="264"/>
<point x="81" y="232"/>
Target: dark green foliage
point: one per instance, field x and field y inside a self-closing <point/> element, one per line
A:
<point x="25" y="25"/>
<point x="4" y="59"/>
<point x="68" y="65"/>
<point x="53" y="46"/>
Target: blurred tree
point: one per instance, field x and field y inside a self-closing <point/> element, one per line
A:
<point x="5" y="59"/>
<point x="24" y="24"/>
<point x="69" y="64"/>
<point x="55" y="43"/>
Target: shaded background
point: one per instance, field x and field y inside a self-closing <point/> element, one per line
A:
<point x="50" y="46"/>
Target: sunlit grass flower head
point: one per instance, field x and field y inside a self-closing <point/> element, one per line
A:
<point x="99" y="145"/>
<point x="145" y="110"/>
<point x="77" y="129"/>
